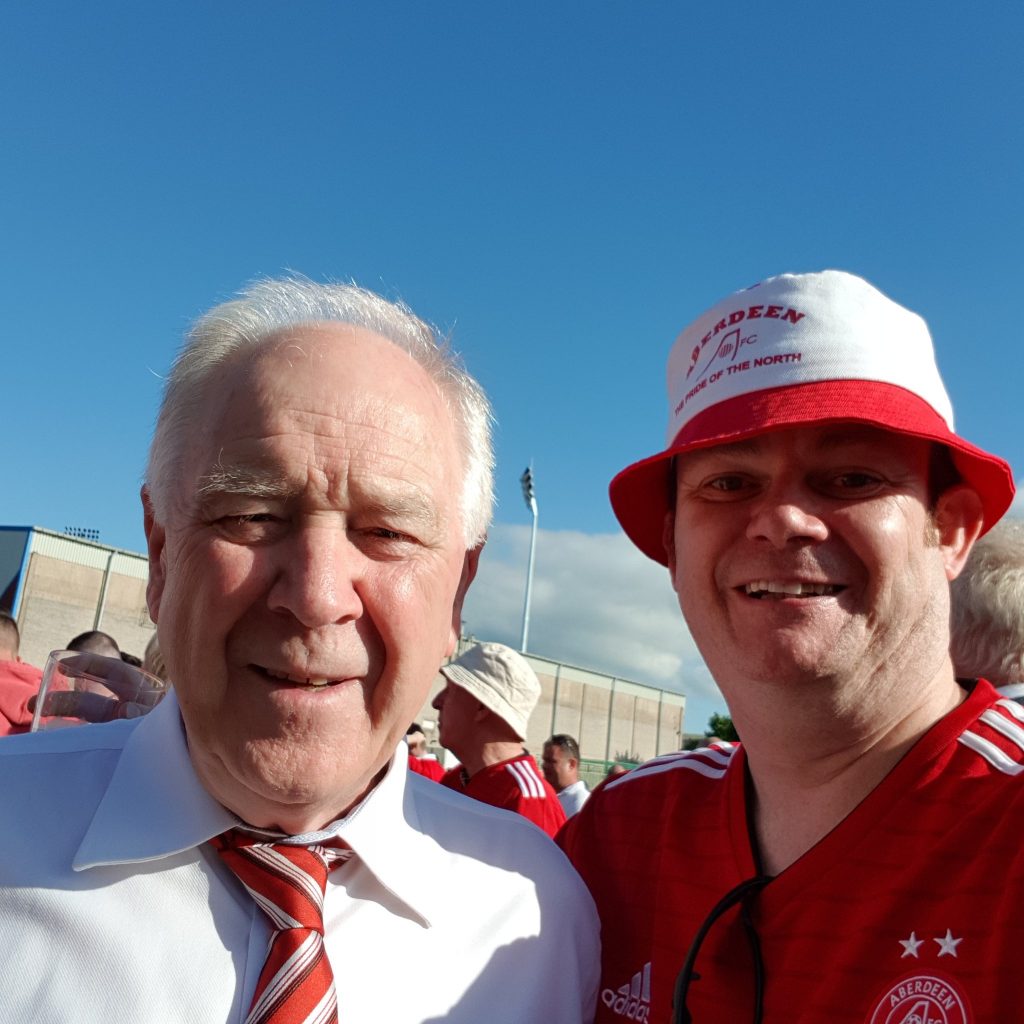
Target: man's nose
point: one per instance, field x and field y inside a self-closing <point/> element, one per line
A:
<point x="319" y="575"/>
<point x="786" y="514"/>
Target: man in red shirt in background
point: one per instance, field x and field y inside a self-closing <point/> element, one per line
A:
<point x="858" y="857"/>
<point x="18" y="681"/>
<point x="483" y="710"/>
<point x="420" y="760"/>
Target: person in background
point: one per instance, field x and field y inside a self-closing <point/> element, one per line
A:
<point x="483" y="711"/>
<point x="858" y="856"/>
<point x="987" y="631"/>
<point x="255" y="848"/>
<point x="95" y="642"/>
<point x="19" y="682"/>
<point x="561" y="765"/>
<point x="420" y="760"/>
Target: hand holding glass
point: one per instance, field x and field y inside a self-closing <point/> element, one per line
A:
<point x="78" y="688"/>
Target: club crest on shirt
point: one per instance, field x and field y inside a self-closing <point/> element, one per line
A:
<point x="922" y="999"/>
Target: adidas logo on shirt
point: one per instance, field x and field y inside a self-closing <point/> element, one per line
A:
<point x="632" y="1000"/>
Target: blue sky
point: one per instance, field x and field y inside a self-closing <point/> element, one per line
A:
<point x="562" y="186"/>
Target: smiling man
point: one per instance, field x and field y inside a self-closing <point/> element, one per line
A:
<point x="856" y="857"/>
<point x="318" y="492"/>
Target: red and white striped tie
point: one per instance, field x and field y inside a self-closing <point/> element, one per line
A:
<point x="296" y="985"/>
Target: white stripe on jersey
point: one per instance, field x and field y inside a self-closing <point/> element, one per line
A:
<point x="1011" y="730"/>
<point x="1013" y="707"/>
<point x="688" y="760"/>
<point x="720" y="752"/>
<point x="991" y="753"/>
<point x="526" y="778"/>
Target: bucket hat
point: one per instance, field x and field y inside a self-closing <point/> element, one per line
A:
<point x="796" y="350"/>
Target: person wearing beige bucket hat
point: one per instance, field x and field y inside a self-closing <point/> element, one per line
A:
<point x="812" y="504"/>
<point x="484" y="709"/>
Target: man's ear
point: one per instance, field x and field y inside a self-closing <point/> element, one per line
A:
<point x="155" y="539"/>
<point x="958" y="519"/>
<point x="469" y="567"/>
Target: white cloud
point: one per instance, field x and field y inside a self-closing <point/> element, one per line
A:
<point x="1017" y="508"/>
<point x="597" y="603"/>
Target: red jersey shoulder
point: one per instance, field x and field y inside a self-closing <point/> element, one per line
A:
<point x="996" y="737"/>
<point x="709" y="763"/>
<point x="633" y="803"/>
<point x="529" y="781"/>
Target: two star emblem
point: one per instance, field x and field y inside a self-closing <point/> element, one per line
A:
<point x="947" y="945"/>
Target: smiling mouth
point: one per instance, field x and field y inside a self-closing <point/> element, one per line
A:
<point x="774" y="590"/>
<point x="306" y="682"/>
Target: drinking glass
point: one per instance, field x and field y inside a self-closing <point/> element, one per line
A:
<point x="78" y="687"/>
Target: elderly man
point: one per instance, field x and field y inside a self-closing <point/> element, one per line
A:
<point x="988" y="611"/>
<point x="487" y="700"/>
<point x="857" y="858"/>
<point x="254" y="849"/>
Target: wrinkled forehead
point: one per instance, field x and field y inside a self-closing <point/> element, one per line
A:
<point x="327" y="394"/>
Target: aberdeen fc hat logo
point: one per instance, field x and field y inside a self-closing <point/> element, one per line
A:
<point x="921" y="999"/>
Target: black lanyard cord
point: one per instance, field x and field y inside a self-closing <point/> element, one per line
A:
<point x="738" y="894"/>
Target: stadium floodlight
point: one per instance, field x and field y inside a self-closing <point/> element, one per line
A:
<point x="82" y="532"/>
<point x="531" y="503"/>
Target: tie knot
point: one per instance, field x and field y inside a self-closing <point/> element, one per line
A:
<point x="287" y="881"/>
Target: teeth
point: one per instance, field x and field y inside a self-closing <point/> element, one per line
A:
<point x="794" y="589"/>
<point x="284" y="677"/>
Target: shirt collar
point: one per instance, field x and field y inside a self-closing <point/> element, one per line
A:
<point x="155" y="806"/>
<point x="386" y="833"/>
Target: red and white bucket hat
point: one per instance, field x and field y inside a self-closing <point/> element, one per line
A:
<point x="794" y="350"/>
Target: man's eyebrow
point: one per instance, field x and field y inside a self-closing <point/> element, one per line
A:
<point x="404" y="506"/>
<point x="746" y="446"/>
<point x="255" y="482"/>
<point x="243" y="481"/>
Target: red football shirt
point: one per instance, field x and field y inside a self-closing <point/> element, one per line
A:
<point x="516" y="785"/>
<point x="909" y="910"/>
<point x="429" y="767"/>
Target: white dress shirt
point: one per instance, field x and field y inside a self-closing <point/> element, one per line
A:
<point x="113" y="908"/>
<point x="573" y="797"/>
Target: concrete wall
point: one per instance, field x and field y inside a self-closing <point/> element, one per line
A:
<point x="62" y="590"/>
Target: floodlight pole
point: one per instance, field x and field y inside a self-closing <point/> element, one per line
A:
<point x="531" y="503"/>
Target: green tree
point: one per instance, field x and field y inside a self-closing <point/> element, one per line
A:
<point x="722" y="727"/>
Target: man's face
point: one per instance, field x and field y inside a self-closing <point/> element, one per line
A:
<point x="809" y="554"/>
<point x="458" y="712"/>
<point x="559" y="769"/>
<point x="308" y="581"/>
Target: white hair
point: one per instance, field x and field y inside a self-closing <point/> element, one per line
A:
<point x="265" y="308"/>
<point x="988" y="608"/>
